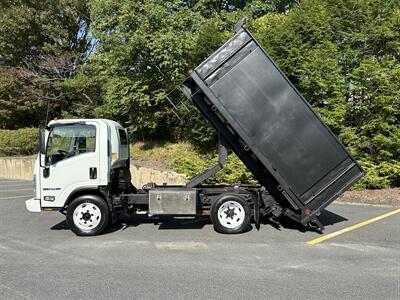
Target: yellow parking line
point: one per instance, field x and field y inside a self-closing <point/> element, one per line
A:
<point x="350" y="228"/>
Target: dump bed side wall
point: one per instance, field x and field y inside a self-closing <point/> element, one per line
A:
<point x="276" y="124"/>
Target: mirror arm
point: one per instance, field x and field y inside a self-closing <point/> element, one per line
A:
<point x="42" y="147"/>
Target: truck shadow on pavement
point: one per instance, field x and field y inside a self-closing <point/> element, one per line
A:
<point x="110" y="229"/>
<point x="164" y="223"/>
<point x="327" y="218"/>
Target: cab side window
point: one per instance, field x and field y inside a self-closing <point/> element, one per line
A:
<point x="70" y="140"/>
<point x="122" y="137"/>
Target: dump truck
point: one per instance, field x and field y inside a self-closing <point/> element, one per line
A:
<point x="82" y="168"/>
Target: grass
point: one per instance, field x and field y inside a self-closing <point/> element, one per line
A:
<point x="165" y="155"/>
<point x="184" y="158"/>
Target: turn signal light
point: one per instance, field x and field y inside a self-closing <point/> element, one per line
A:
<point x="49" y="198"/>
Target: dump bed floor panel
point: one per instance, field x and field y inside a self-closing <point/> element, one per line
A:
<point x="268" y="110"/>
<point x="266" y="113"/>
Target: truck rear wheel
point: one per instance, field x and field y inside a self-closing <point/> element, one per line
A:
<point x="88" y="215"/>
<point x="230" y="214"/>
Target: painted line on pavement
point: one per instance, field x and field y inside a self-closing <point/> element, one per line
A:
<point x="23" y="196"/>
<point x="16" y="190"/>
<point x="350" y="228"/>
<point x="15" y="186"/>
<point x="15" y="183"/>
<point x="31" y="189"/>
<point x="13" y="180"/>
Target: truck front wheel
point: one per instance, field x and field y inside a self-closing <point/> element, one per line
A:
<point x="88" y="215"/>
<point x="230" y="214"/>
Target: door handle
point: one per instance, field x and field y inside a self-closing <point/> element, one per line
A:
<point x="93" y="173"/>
<point x="46" y="172"/>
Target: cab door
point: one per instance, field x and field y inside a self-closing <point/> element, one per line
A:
<point x="72" y="162"/>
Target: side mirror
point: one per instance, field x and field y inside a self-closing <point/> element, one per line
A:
<point x="42" y="141"/>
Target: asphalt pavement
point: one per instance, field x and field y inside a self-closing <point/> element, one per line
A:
<point x="142" y="258"/>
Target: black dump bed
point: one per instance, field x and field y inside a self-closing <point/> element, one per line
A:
<point x="270" y="126"/>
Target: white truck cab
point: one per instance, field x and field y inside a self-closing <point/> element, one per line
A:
<point x="76" y="156"/>
<point x="82" y="171"/>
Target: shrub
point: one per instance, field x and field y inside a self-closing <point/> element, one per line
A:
<point x="19" y="142"/>
<point x="187" y="159"/>
<point x="379" y="174"/>
<point x="233" y="172"/>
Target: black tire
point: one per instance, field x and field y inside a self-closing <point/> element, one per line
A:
<point x="93" y="202"/>
<point x="221" y="228"/>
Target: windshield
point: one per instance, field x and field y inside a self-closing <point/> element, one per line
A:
<point x="70" y="140"/>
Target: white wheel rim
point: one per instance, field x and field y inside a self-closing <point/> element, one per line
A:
<point x="87" y="216"/>
<point x="231" y="214"/>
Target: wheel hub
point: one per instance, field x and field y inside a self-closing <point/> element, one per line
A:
<point x="231" y="214"/>
<point x="87" y="216"/>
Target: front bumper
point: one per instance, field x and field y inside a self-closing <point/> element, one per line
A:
<point x="33" y="205"/>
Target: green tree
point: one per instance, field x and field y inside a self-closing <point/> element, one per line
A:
<point x="149" y="47"/>
<point x="121" y="59"/>
<point x="343" y="56"/>
<point x="42" y="44"/>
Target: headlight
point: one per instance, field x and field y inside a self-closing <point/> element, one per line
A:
<point x="34" y="184"/>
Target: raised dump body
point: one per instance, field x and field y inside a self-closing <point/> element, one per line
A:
<point x="271" y="127"/>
